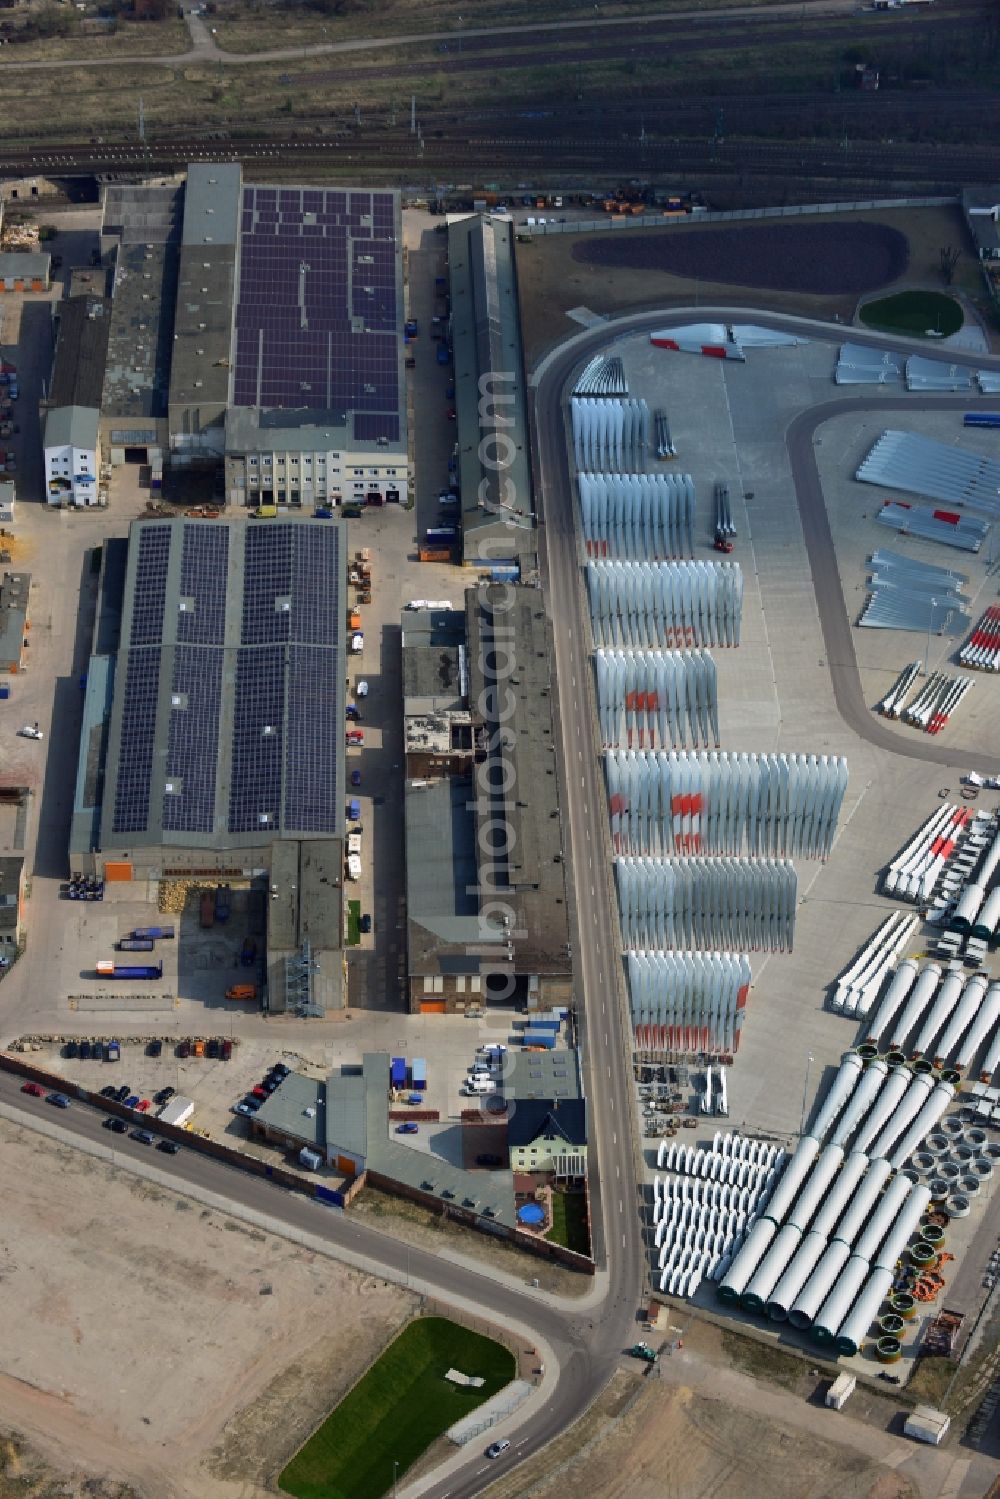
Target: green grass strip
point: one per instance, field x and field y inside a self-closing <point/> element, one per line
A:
<point x="914" y="312"/>
<point x="396" y="1411"/>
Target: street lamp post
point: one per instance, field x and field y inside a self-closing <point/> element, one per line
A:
<point x="805" y="1093"/>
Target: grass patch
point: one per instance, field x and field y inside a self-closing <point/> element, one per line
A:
<point x="394" y="1413"/>
<point x="569" y="1222"/>
<point x="353" y="923"/>
<point x="914" y="313"/>
<point x="762" y="1361"/>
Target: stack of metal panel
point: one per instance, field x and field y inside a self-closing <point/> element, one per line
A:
<point x="637" y="517"/>
<point x="655" y="605"/>
<point x="688" y="1001"/>
<point x="989" y="382"/>
<point x="934" y="374"/>
<point x="604" y="375"/>
<point x="908" y="595"/>
<point x="610" y="435"/>
<point x="767" y="806"/>
<point x="657" y="699"/>
<point x="747" y="904"/>
<point x="936" y="470"/>
<point x="963" y="532"/>
<point x="859" y="364"/>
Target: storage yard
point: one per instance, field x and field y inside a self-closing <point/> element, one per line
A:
<point x="806" y="1224"/>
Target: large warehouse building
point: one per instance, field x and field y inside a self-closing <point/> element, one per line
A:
<point x="485" y="878"/>
<point x="256" y="330"/>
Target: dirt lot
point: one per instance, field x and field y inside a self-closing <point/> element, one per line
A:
<point x="553" y="277"/>
<point x="141" y="1344"/>
<point x="822" y="259"/>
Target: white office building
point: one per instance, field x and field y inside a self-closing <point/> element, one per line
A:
<point x="72" y="455"/>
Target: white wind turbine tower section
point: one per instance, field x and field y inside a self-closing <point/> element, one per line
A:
<point x="688" y="1001"/>
<point x="637" y="517"/>
<point x="609" y="435"/>
<point x="744" y="904"/>
<point x="777" y="806"/>
<point x="664" y="605"/>
<point x="657" y="699"/>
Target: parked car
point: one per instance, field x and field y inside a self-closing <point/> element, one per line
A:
<point x="71" y="1049"/>
<point x="248" y="1108"/>
<point x="155" y="1048"/>
<point x="184" y="1049"/>
<point x="280" y="1070"/>
<point x="260" y="1092"/>
<point x="169" y="1147"/>
<point x="30" y="731"/>
<point x="164" y="1095"/>
<point x="131" y="1100"/>
<point x="355" y="778"/>
<point x="497" y="1449"/>
<point x="116" y="1126"/>
<point x="142" y="1105"/>
<point x="213" y="1047"/>
<point x="85" y="1051"/>
<point x="361" y="688"/>
<point x="59" y="1099"/>
<point x="33" y="1089"/>
<point x="109" y="1092"/>
<point x="366" y="921"/>
<point x="407" y="1128"/>
<point x="270" y="1083"/>
<point x="142" y="1135"/>
<point x="122" y="1093"/>
<point x="227" y="1050"/>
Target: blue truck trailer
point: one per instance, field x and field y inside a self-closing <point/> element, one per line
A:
<point x="418" y="1074"/>
<point x="135" y="944"/>
<point x="223" y="902"/>
<point x="156" y="932"/>
<point x="982" y="419"/>
<point x="397" y="1072"/>
<point x="134" y="971"/>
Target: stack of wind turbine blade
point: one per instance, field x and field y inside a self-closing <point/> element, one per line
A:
<point x="637" y="517"/>
<point x="914" y="464"/>
<point x="688" y="1001"/>
<point x="860" y="364"/>
<point x="981" y="651"/>
<point x="610" y="434"/>
<point x="665" y="605"/>
<point x="706" y="904"/>
<point x="891" y="706"/>
<point x="763" y="806"/>
<point x="604" y="375"/>
<point x="657" y="699"/>
<point x="965" y="533"/>
<point x="935" y="374"/>
<point x="914" y="871"/>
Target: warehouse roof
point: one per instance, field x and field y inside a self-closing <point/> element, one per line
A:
<point x="227" y="725"/>
<point x="14" y="592"/>
<point x="72" y="427"/>
<point x="11" y="866"/>
<point x="297" y="1108"/>
<point x="83" y="328"/>
<point x="442" y="876"/>
<point x="142" y="213"/>
<point x="85" y="829"/>
<point x="253" y="429"/>
<point x="206" y="285"/>
<point x="497" y="503"/>
<point x="982" y="214"/>
<point x="541" y="1074"/>
<point x="137" y="376"/>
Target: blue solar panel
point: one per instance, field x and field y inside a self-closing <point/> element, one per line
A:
<point x="204" y="559"/>
<point x="313" y="740"/>
<point x="150" y="584"/>
<point x="193" y="739"/>
<point x="138" y="740"/>
<point x="258" y="730"/>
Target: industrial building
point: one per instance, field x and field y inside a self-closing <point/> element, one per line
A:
<point x="72" y="455"/>
<point x="25" y="270"/>
<point x="494" y="471"/>
<point x="12" y="899"/>
<point x="255" y="331"/>
<point x="486" y="890"/>
<point x="981" y="207"/>
<point x="71" y="411"/>
<point x="305" y="923"/>
<point x="14" y="622"/>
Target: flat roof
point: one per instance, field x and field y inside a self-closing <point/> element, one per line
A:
<point x="347" y="1111"/>
<point x="227" y="724"/>
<point x="85" y="829"/>
<point x="550" y="1075"/>
<point x="441" y="871"/>
<point x="285" y="1110"/>
<point x="24" y="265"/>
<point x="306" y="905"/>
<point x="14" y="591"/>
<point x="983" y="226"/>
<point x="137" y="375"/>
<point x="142" y="212"/>
<point x="319" y="303"/>
<point x="11" y="867"/>
<point x="201" y="364"/>
<point x="83" y="328"/>
<point x="486" y="339"/>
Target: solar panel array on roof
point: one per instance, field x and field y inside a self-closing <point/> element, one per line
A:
<point x="271" y="644"/>
<point x="138" y="739"/>
<point x="316" y="318"/>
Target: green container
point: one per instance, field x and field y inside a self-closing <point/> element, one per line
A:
<point x="888" y="1350"/>
<point x="904" y="1305"/>
<point x="891" y="1325"/>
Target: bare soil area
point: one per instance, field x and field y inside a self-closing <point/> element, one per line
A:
<point x="558" y="272"/>
<point x="822" y="259"/>
<point x="152" y="1343"/>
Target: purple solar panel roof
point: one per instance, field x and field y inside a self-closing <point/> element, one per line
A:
<point x="304" y="288"/>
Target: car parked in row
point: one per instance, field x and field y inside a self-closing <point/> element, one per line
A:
<point x="34" y="1089"/>
<point x="116" y="1126"/>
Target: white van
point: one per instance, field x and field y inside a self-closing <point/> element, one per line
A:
<point x="474" y="1087"/>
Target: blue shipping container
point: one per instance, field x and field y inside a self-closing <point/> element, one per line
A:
<point x="540" y="1038"/>
<point x="144" y="971"/>
<point x="418" y="1073"/>
<point x="397" y="1072"/>
<point x="982" y="419"/>
<point x="4" y="691"/>
<point x="153" y="931"/>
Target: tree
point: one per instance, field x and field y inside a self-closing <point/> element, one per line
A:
<point x="949" y="258"/>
